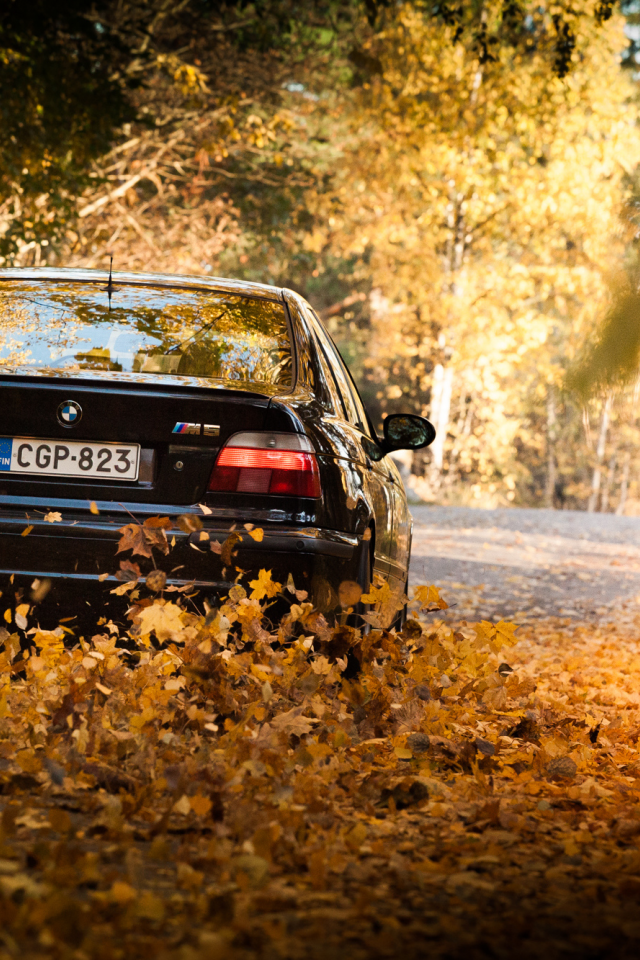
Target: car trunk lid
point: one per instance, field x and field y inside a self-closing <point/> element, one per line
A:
<point x="179" y="432"/>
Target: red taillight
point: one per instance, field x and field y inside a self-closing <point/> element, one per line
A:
<point x="265" y="469"/>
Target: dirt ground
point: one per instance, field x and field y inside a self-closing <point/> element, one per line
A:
<point x="522" y="564"/>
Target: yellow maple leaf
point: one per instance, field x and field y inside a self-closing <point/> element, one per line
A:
<point x="505" y="632"/>
<point x="264" y="586"/>
<point x="378" y="593"/>
<point x="162" y="618"/>
<point x="427" y="595"/>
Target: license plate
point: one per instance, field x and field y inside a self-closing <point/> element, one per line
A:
<point x="74" y="458"/>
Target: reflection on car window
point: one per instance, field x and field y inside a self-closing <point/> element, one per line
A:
<point x="355" y="408"/>
<point x="68" y="328"/>
<point x="335" y="401"/>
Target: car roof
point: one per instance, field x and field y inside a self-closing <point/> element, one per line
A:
<point x="73" y="275"/>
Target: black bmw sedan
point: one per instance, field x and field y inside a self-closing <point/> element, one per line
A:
<point x="139" y="395"/>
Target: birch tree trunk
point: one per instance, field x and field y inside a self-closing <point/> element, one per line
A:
<point x="602" y="441"/>
<point x="439" y="414"/>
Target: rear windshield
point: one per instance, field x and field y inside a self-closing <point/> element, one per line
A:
<point x="67" y="329"/>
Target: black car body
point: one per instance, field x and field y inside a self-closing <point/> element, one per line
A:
<point x="148" y="395"/>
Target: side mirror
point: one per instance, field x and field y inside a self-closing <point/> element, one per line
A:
<point x="405" y="431"/>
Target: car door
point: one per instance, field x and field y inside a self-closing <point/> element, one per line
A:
<point x="399" y="518"/>
<point x="402" y="527"/>
<point x="377" y="472"/>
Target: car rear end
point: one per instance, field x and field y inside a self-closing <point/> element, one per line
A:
<point x="150" y="397"/>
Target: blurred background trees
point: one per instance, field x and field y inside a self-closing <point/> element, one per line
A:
<point x="454" y="187"/>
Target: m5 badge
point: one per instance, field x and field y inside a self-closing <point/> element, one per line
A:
<point x="198" y="429"/>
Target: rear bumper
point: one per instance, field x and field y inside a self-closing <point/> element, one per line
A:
<point x="76" y="552"/>
<point x="86" y="549"/>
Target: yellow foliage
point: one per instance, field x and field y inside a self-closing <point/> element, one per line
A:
<point x="248" y="759"/>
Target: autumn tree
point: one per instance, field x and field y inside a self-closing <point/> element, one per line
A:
<point x="443" y="183"/>
<point x="479" y="202"/>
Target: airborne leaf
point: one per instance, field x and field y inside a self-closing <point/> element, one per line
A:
<point x="128" y="571"/>
<point x="264" y="586"/>
<point x="133" y="538"/>
<point x="189" y="522"/>
<point x="349" y="593"/>
<point x="226" y="551"/>
<point x="292" y="722"/>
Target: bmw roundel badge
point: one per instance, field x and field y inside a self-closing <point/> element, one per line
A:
<point x="69" y="413"/>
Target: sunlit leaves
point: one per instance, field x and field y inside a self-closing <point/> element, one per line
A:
<point x="206" y="756"/>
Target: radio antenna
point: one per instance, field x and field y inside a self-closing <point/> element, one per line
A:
<point x="110" y="287"/>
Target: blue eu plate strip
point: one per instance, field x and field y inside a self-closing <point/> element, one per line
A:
<point x="6" y="446"/>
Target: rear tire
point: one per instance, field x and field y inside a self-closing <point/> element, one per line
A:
<point x="363" y="577"/>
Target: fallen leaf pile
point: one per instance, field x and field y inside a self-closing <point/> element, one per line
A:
<point x="209" y="784"/>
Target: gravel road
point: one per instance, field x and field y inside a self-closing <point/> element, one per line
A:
<point x="520" y="564"/>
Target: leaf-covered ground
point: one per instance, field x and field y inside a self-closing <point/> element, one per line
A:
<point x="207" y="784"/>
